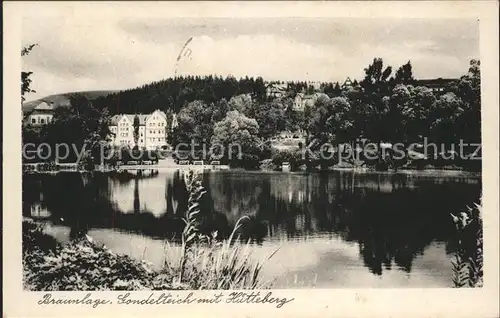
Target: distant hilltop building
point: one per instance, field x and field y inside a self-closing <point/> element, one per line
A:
<point x="276" y="90"/>
<point x="153" y="130"/>
<point x="41" y="114"/>
<point x="437" y="85"/>
<point x="316" y="85"/>
<point x="347" y="83"/>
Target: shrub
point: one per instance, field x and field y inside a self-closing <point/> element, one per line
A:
<point x="290" y="156"/>
<point x="468" y="258"/>
<point x="82" y="265"/>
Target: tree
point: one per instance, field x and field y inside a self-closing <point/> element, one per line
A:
<point x="376" y="88"/>
<point x="469" y="90"/>
<point x="194" y="124"/>
<point x="337" y="91"/>
<point x="235" y="140"/>
<point x="136" y="131"/>
<point x="404" y="75"/>
<point x="25" y="76"/>
<point x="329" y="120"/>
<point x="220" y="110"/>
<point x="82" y="127"/>
<point x="446" y="111"/>
<point x="271" y="118"/>
<point x="398" y="114"/>
<point x="242" y="103"/>
<point x="422" y="101"/>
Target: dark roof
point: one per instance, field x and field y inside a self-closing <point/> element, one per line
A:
<point x="436" y="81"/>
<point x="41" y="112"/>
<point x="142" y="118"/>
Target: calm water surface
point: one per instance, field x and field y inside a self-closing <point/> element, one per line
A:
<point x="338" y="229"/>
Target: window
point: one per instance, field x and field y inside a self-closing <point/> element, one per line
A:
<point x="141" y="134"/>
<point x="42" y="120"/>
<point x="141" y="141"/>
<point x="33" y="120"/>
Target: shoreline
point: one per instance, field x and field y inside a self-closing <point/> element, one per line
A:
<point x="430" y="171"/>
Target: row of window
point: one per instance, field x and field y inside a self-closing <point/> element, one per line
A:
<point x="125" y="134"/>
<point x="159" y="132"/>
<point x="126" y="128"/>
<point x="142" y="141"/>
<point x="159" y="124"/>
<point x="41" y="120"/>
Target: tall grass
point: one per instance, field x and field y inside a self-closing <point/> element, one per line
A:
<point x="468" y="259"/>
<point x="204" y="262"/>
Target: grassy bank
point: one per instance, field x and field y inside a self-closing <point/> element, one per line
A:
<point x="83" y="264"/>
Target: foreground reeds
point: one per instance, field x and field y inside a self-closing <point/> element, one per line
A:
<point x="207" y="262"/>
<point x="468" y="257"/>
<point x="202" y="261"/>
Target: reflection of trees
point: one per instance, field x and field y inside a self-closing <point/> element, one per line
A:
<point x="392" y="218"/>
<point x="137" y="201"/>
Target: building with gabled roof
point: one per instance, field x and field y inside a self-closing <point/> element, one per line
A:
<point x="41" y="115"/>
<point x="152" y="132"/>
<point x="347" y="83"/>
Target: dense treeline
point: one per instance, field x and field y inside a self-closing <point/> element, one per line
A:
<point x="393" y="110"/>
<point x="173" y="93"/>
<point x="385" y="107"/>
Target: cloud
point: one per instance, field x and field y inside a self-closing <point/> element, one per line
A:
<point x="110" y="53"/>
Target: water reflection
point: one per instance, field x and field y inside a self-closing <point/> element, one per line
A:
<point x="392" y="218"/>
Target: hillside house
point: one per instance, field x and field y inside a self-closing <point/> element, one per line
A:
<point x="41" y="114"/>
<point x="302" y="101"/>
<point x="276" y="90"/>
<point x="437" y="85"/>
<point x="347" y="84"/>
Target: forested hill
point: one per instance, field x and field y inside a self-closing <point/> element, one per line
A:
<point x="174" y="93"/>
<point x="171" y="93"/>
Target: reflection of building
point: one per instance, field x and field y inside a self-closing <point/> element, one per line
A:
<point x="41" y="114"/>
<point x="152" y="130"/>
<point x="37" y="211"/>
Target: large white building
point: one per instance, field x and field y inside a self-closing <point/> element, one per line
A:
<point x="153" y="130"/>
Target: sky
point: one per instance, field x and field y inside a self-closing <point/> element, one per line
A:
<point x="79" y="54"/>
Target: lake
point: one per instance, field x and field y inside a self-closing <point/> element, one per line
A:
<point x="338" y="229"/>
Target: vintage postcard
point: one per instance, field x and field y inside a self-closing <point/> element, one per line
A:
<point x="302" y="159"/>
